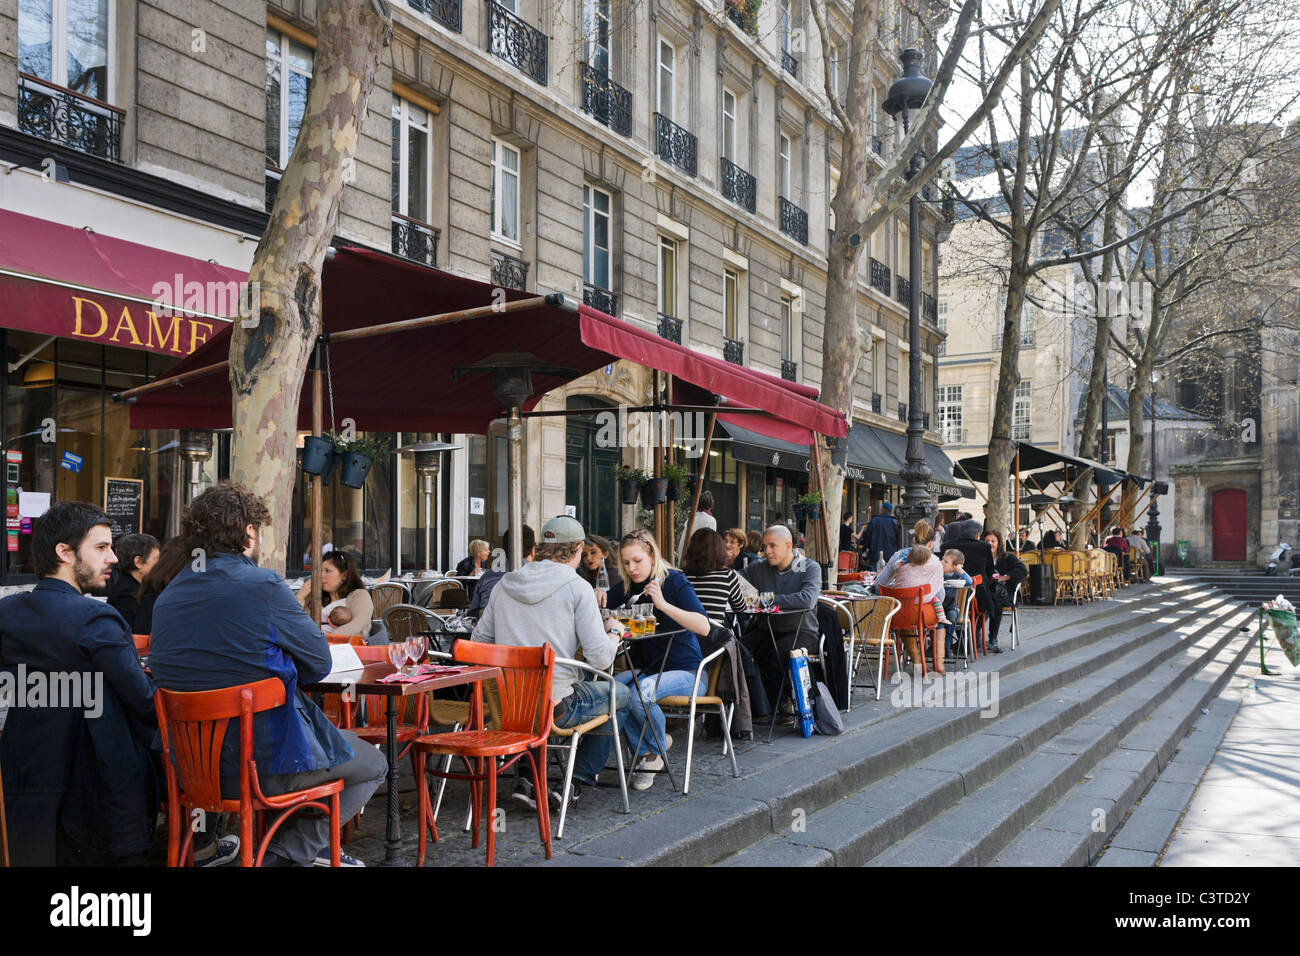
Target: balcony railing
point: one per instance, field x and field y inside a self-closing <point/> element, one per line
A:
<point x="670" y="328"/>
<point x="509" y="272"/>
<point x="733" y="351"/>
<point x="880" y="276"/>
<point x="517" y="42"/>
<point x="607" y="102"/>
<point x="902" y="290"/>
<point x="61" y="116"/>
<point x="877" y="403"/>
<point x="794" y="221"/>
<point x="790" y="64"/>
<point x="744" y="14"/>
<point x="600" y="299"/>
<point x="929" y="308"/>
<point x="446" y="12"/>
<point x="738" y="186"/>
<point x="789" y="370"/>
<point x="413" y="239"/>
<point x="675" y="145"/>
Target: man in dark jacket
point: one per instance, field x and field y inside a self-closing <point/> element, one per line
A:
<point x="795" y="583"/>
<point x="78" y="779"/>
<point x="223" y="621"/>
<point x="964" y="536"/>
<point x="136" y="556"/>
<point x="884" y="535"/>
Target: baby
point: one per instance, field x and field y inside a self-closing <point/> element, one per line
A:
<point x="338" y="616"/>
<point x="953" y="560"/>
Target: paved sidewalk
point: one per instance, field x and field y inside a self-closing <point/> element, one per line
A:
<point x="1246" y="811"/>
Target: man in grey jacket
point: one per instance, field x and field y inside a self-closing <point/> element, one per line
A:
<point x="546" y="602"/>
<point x="796" y="583"/>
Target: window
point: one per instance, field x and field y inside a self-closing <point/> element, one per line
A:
<point x="412" y="161"/>
<point x="902" y="377"/>
<point x="595" y="236"/>
<point x="595" y="31"/>
<point x="783" y="167"/>
<point x="878" y="368"/>
<point x="1028" y="320"/>
<point x="731" y="304"/>
<point x="785" y="26"/>
<point x="728" y="125"/>
<point x="950" y="414"/>
<point x="1020" y="413"/>
<point x="667" y="275"/>
<point x="505" y="192"/>
<point x="832" y="187"/>
<point x="666" y="88"/>
<point x="787" y="328"/>
<point x="288" y="77"/>
<point x="941" y="314"/>
<point x="833" y="54"/>
<point x="65" y="42"/>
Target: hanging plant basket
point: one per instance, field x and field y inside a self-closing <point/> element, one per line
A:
<point x="355" y="468"/>
<point x="800" y="512"/>
<point x="654" y="492"/>
<point x="630" y="488"/>
<point x="327" y="478"/>
<point x="317" y="455"/>
<point x="814" y="512"/>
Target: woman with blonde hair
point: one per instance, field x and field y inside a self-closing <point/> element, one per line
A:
<point x="478" y="555"/>
<point x="914" y="566"/>
<point x="666" y="665"/>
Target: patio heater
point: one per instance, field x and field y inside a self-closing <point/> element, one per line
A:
<point x="512" y="385"/>
<point x="428" y="465"/>
<point x="195" y="447"/>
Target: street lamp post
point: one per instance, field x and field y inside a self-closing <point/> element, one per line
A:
<point x="906" y="94"/>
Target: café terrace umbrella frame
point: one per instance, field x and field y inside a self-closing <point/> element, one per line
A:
<point x="514" y="386"/>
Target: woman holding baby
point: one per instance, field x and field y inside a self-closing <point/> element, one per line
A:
<point x="346" y="606"/>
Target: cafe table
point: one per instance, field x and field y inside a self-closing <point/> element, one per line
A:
<point x="370" y="682"/>
<point x="625" y="646"/>
<point x="767" y="617"/>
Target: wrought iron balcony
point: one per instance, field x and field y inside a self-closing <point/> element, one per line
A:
<point x="733" y="351"/>
<point x="902" y="411"/>
<point x="878" y="146"/>
<point x="600" y="299"/>
<point x="509" y="272"/>
<point x="790" y="64"/>
<point x="929" y="308"/>
<point x="794" y="221"/>
<point x="744" y="14"/>
<point x="413" y="239"/>
<point x="607" y="102"/>
<point x="69" y="119"/>
<point x="670" y="328"/>
<point x="789" y="370"/>
<point x="738" y="186"/>
<point x="517" y="42"/>
<point x="880" y="276"/>
<point x="446" y="12"/>
<point x="877" y="403"/>
<point x="902" y="290"/>
<point x="675" y="145"/>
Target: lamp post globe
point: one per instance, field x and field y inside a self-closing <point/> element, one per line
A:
<point x="906" y="94"/>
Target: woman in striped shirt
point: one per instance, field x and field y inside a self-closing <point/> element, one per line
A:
<point x="716" y="584"/>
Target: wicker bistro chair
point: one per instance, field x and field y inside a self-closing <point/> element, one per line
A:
<point x="1030" y="557"/>
<point x="1068" y="582"/>
<point x="403" y="621"/>
<point x="448" y="593"/>
<point x="676" y="703"/>
<point x="386" y="595"/>
<point x="865" y="622"/>
<point x="573" y="736"/>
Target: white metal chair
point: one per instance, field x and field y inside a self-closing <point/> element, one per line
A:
<point x="1015" y="619"/>
<point x="965" y="623"/>
<point x="676" y="703"/>
<point x="871" y="618"/>
<point x="573" y="736"/>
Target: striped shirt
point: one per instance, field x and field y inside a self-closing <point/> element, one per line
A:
<point x="718" y="590"/>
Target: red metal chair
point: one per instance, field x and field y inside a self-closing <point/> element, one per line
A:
<point x="916" y="615"/>
<point x="979" y="620"/>
<point x="847" y="561"/>
<point x="141" y="644"/>
<point x="525" y="684"/>
<point x="193" y="728"/>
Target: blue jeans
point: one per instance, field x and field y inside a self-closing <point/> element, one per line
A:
<point x="670" y="683"/>
<point x="588" y="699"/>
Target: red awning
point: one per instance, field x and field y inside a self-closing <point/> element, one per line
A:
<point x="60" y="280"/>
<point x="402" y="381"/>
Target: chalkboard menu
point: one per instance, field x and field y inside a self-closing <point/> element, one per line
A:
<point x="124" y="502"/>
<point x="755" y="493"/>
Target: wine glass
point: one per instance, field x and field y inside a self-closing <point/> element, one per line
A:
<point x="397" y="654"/>
<point x="766" y="598"/>
<point x="415" y="648"/>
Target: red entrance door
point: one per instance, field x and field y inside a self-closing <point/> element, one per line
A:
<point x="1229" y="524"/>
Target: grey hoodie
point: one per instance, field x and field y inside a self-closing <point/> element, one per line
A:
<point x="545" y="602"/>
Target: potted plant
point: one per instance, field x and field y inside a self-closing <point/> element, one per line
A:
<point x="630" y="481"/>
<point x="677" y="481"/>
<point x="812" y="501"/>
<point x="358" y="456"/>
<point x="318" y="455"/>
<point x="654" y="491"/>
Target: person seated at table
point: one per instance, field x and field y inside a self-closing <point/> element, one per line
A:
<point x="1140" y="550"/>
<point x="965" y="536"/>
<point x="922" y="568"/>
<point x="666" y="665"/>
<point x="922" y="533"/>
<point x="1009" y="572"/>
<point x="476" y="563"/>
<point x="171" y="558"/>
<point x="547" y="602"/>
<point x="597" y="551"/>
<point x="79" y="783"/>
<point x="483" y="590"/>
<point x="1050" y="541"/>
<point x="954" y="577"/>
<point x="341" y="587"/>
<point x="716" y="583"/>
<point x="225" y="622"/>
<point x="1117" y="544"/>
<point x="753" y="548"/>
<point x="136" y="555"/>
<point x="795" y="583"/>
<point x="736" y="547"/>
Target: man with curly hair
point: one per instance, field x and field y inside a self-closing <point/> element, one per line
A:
<point x="224" y="621"/>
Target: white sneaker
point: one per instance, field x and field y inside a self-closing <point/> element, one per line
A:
<point x="643" y="778"/>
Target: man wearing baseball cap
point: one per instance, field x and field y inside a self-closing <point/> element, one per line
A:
<point x="546" y="602"/>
